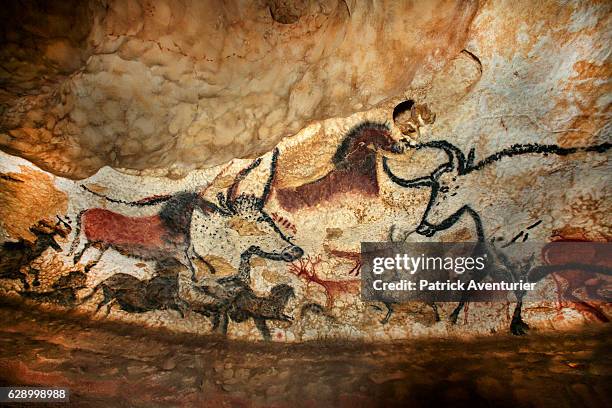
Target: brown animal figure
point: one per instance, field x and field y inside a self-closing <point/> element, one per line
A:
<point x="248" y="305"/>
<point x="16" y="255"/>
<point x="63" y="291"/>
<point x="577" y="278"/>
<point x="354" y="169"/>
<point x="138" y="296"/>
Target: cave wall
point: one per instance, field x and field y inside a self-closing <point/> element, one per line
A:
<point x="174" y="86"/>
<point x="278" y="120"/>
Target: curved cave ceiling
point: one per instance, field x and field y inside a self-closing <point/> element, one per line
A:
<point x="178" y="85"/>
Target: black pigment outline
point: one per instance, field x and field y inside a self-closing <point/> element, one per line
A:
<point x="177" y="211"/>
<point x="465" y="166"/>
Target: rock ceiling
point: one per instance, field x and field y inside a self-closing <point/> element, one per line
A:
<point x="179" y="85"/>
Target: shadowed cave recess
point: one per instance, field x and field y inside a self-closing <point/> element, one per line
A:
<point x="185" y="187"/>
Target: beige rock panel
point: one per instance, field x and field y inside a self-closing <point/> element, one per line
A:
<point x="27" y="197"/>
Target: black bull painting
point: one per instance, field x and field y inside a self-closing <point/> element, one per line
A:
<point x="449" y="202"/>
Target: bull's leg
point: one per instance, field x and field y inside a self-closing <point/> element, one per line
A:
<point x="223" y="323"/>
<point x="389" y="307"/>
<point x="102" y="303"/>
<point x="455" y="315"/>
<point x="79" y="254"/>
<point x="185" y="260"/>
<point x="435" y="310"/>
<point x="216" y="319"/>
<point x="465" y="297"/>
<point x="108" y="297"/>
<point x="24" y="280"/>
<point x="261" y="325"/>
<point x="36" y="273"/>
<point x="517" y="326"/>
<point x="109" y="306"/>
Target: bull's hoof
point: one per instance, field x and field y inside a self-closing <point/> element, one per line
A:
<point x="453" y="318"/>
<point x="519" y="327"/>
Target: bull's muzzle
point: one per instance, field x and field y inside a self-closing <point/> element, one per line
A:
<point x="292" y="253"/>
<point x="426" y="229"/>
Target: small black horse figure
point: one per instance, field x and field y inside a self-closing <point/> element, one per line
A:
<point x="63" y="292"/>
<point x="247" y="305"/>
<point x="241" y="303"/>
<point x="138" y="296"/>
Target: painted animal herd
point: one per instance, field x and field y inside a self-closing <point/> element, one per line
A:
<point x="186" y="224"/>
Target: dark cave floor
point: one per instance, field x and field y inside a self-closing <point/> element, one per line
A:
<point x="115" y="365"/>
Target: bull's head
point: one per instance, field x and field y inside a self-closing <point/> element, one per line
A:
<point x="242" y="224"/>
<point x="445" y="204"/>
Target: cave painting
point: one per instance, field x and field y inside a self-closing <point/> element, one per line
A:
<point x="18" y="256"/>
<point x="443" y="210"/>
<point x="354" y="169"/>
<point x="237" y="227"/>
<point x="448" y="202"/>
<point x="168" y="234"/>
<point x="571" y="278"/>
<point x="306" y="269"/>
<point x="167" y="237"/>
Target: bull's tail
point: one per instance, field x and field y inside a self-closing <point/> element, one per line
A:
<point x="77" y="234"/>
<point x="519" y="149"/>
<point x="154" y="200"/>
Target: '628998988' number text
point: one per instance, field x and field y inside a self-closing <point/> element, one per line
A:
<point x="30" y="394"/>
